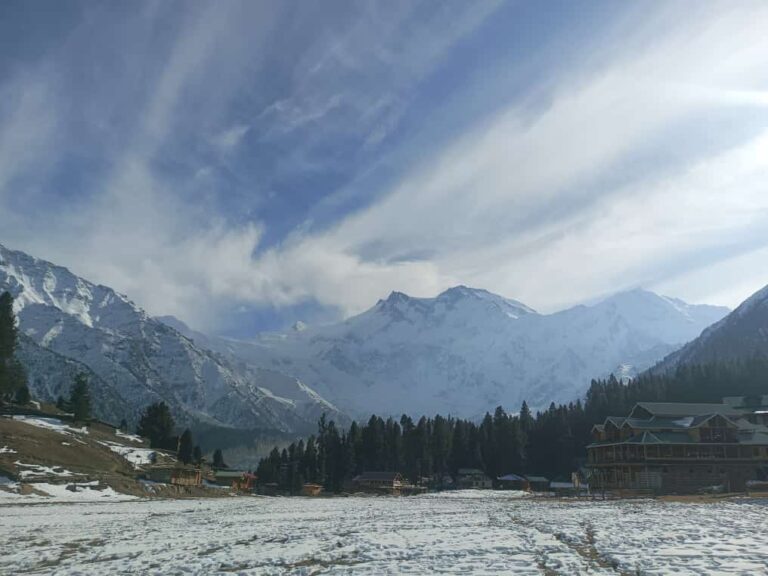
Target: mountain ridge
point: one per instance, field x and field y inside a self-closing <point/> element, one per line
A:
<point x="741" y="335"/>
<point x="139" y="359"/>
<point x="467" y="350"/>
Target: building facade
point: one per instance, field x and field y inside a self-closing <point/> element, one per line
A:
<point x="670" y="447"/>
<point x="379" y="482"/>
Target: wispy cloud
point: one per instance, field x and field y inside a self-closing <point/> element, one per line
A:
<point x="345" y="155"/>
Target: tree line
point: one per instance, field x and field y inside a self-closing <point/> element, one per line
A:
<point x="550" y="443"/>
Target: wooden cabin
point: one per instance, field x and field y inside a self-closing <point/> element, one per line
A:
<point x="473" y="478"/>
<point x="513" y="482"/>
<point x="175" y="475"/>
<point x="187" y="477"/>
<point x="238" y="480"/>
<point x="538" y="483"/>
<point x="310" y="489"/>
<point x="379" y="482"/>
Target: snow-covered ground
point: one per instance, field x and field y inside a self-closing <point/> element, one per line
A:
<point x="49" y="424"/>
<point x="417" y="535"/>
<point x="136" y="456"/>
<point x="68" y="491"/>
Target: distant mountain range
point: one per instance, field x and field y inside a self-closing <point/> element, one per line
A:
<point x="468" y="350"/>
<point x="70" y="325"/>
<point x="462" y="352"/>
<point x="741" y="335"/>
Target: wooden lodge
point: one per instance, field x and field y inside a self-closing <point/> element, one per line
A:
<point x="311" y="489"/>
<point x="538" y="483"/>
<point x="473" y="478"/>
<point x="175" y="475"/>
<point x="669" y="447"/>
<point x="513" y="482"/>
<point x="379" y="482"/>
<point x="238" y="480"/>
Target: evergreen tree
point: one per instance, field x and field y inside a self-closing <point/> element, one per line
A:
<point x="218" y="459"/>
<point x="8" y="329"/>
<point x="186" y="447"/>
<point x="12" y="374"/>
<point x="80" y="398"/>
<point x="309" y="464"/>
<point x="156" y="423"/>
<point x="22" y="395"/>
<point x="197" y="455"/>
<point x="123" y="425"/>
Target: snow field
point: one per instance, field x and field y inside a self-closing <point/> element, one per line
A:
<point x="358" y="535"/>
<point x="50" y="424"/>
<point x="136" y="456"/>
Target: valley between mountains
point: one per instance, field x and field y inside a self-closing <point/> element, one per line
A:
<point x="462" y="352"/>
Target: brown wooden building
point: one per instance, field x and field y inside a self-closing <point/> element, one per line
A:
<point x="175" y="475"/>
<point x="379" y="482"/>
<point x="311" y="489"/>
<point x="238" y="480"/>
<point x="681" y="447"/>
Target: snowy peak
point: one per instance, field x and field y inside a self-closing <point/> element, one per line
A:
<point x="670" y="319"/>
<point x="460" y="293"/>
<point x="454" y="301"/>
<point x="35" y="282"/>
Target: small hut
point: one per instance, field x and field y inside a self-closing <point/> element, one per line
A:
<point x="538" y="483"/>
<point x="513" y="482"/>
<point x="311" y="489"/>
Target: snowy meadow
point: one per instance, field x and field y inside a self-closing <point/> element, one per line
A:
<point x="460" y="532"/>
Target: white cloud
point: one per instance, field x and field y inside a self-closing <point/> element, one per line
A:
<point x="475" y="205"/>
<point x="536" y="207"/>
<point x="230" y="138"/>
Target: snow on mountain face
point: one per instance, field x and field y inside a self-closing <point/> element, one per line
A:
<point x="135" y="360"/>
<point x="741" y="335"/>
<point x="467" y="351"/>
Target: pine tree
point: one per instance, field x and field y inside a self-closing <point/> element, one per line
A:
<point x="197" y="455"/>
<point x="80" y="398"/>
<point x="157" y="424"/>
<point x="186" y="447"/>
<point x="22" y="395"/>
<point x="218" y="459"/>
<point x="12" y="374"/>
<point x="8" y="329"/>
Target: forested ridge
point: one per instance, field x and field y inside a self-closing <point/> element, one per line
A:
<point x="549" y="443"/>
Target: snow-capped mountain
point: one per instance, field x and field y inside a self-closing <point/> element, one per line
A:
<point x="467" y="350"/>
<point x="741" y="335"/>
<point x="71" y="325"/>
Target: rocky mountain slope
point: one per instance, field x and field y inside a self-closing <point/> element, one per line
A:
<point x="741" y="335"/>
<point x="70" y="325"/>
<point x="467" y="350"/>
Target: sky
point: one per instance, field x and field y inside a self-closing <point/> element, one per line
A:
<point x="243" y="165"/>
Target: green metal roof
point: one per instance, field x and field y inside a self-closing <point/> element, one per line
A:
<point x="680" y="409"/>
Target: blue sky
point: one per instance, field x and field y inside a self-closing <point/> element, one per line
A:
<point x="243" y="165"/>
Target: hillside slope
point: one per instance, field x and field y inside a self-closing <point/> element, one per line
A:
<point x="741" y="335"/>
